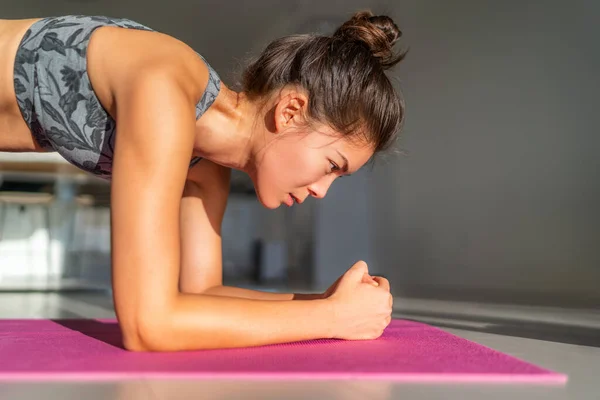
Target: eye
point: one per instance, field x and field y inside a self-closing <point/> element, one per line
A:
<point x="334" y="167"/>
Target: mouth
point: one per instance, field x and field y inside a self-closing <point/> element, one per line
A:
<point x="297" y="200"/>
<point x="291" y="199"/>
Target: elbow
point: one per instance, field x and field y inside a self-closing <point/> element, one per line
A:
<point x="147" y="334"/>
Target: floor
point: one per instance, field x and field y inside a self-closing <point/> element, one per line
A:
<point x="562" y="340"/>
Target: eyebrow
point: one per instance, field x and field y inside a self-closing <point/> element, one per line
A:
<point x="346" y="166"/>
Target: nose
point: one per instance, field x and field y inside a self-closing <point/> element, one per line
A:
<point x="319" y="189"/>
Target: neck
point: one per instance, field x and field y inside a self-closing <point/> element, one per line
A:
<point x="224" y="132"/>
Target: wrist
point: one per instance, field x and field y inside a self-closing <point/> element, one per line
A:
<point x="328" y="317"/>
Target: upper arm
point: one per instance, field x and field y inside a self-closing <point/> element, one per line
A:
<point x="153" y="146"/>
<point x="202" y="208"/>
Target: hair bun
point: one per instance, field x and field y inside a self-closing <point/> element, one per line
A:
<point x="379" y="32"/>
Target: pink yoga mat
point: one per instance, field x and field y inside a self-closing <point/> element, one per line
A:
<point x="407" y="351"/>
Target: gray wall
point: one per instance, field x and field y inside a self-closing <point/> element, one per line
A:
<point x="499" y="197"/>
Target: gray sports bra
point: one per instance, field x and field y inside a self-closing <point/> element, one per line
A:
<point x="56" y="98"/>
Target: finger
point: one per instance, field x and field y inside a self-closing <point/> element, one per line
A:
<point x="384" y="283"/>
<point x="369" y="279"/>
<point x="359" y="269"/>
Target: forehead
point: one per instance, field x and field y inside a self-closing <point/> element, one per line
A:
<point x="357" y="156"/>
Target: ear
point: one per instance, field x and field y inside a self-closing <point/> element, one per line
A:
<point x="290" y="110"/>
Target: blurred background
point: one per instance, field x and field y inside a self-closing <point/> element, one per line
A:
<point x="493" y="198"/>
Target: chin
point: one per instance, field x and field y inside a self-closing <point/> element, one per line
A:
<point x="270" y="206"/>
<point x="265" y="203"/>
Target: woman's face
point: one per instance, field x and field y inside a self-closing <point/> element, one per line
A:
<point x="295" y="162"/>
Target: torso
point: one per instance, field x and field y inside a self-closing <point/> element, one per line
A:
<point x="14" y="132"/>
<point x="114" y="56"/>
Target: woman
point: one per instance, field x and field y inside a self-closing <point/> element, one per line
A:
<point x="143" y="110"/>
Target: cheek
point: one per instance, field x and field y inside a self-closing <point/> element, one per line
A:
<point x="286" y="167"/>
<point x="300" y="168"/>
<point x="289" y="164"/>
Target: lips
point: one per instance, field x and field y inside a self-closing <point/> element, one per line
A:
<point x="289" y="201"/>
<point x="297" y="200"/>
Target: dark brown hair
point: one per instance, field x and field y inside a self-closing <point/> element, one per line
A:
<point x="344" y="75"/>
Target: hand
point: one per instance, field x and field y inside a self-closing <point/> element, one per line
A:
<point x="361" y="304"/>
<point x="373" y="280"/>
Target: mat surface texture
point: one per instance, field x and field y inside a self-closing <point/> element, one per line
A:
<point x="407" y="351"/>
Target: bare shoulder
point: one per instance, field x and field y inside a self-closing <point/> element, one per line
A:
<point x="117" y="57"/>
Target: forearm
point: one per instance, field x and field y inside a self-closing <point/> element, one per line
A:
<point x="230" y="291"/>
<point x="198" y="321"/>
